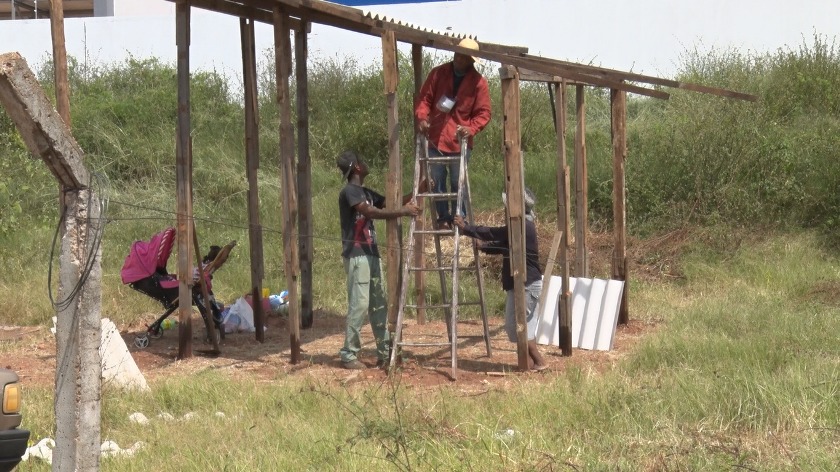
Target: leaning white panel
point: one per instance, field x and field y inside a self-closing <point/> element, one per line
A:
<point x="595" y="304"/>
<point x="609" y="315"/>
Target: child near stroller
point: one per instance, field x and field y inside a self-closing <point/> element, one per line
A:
<point x="145" y="270"/>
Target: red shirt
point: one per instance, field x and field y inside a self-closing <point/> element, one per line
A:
<point x="471" y="110"/>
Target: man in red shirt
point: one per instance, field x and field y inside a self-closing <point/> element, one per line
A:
<point x="454" y="103"/>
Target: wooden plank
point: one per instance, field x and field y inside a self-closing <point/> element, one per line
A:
<point x="205" y="294"/>
<point x="533" y="76"/>
<point x="263" y="15"/>
<point x="252" y="165"/>
<point x="419" y="238"/>
<point x="617" y="75"/>
<point x="304" y="169"/>
<point x="283" y="60"/>
<point x="62" y="88"/>
<point x="393" y="182"/>
<point x="564" y="217"/>
<point x="618" y="107"/>
<point x="183" y="168"/>
<point x="581" y="188"/>
<point x="718" y="92"/>
<point x="552" y="68"/>
<point x="514" y="187"/>
<point x="549" y="266"/>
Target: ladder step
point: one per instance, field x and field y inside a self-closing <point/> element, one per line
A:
<point x="424" y="344"/>
<point x="438" y="196"/>
<point x="441" y="232"/>
<point x="441" y="159"/>
<point x="442" y="269"/>
<point x="443" y="306"/>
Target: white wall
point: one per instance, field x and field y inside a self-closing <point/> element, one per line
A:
<point x="645" y="36"/>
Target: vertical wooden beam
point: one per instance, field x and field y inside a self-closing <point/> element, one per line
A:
<point x="304" y="169"/>
<point x="393" y="183"/>
<point x="563" y="219"/>
<point x="419" y="239"/>
<point x="252" y="166"/>
<point x="515" y="189"/>
<point x="183" y="189"/>
<point x="283" y="67"/>
<point x="581" y="189"/>
<point x="618" y="105"/>
<point x="62" y="88"/>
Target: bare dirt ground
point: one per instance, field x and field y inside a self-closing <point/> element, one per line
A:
<point x="31" y="350"/>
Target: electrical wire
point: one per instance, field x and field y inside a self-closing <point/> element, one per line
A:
<point x="99" y="186"/>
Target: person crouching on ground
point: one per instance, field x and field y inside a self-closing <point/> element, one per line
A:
<point x="358" y="206"/>
<point x="495" y="241"/>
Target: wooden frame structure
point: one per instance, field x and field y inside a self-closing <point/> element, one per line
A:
<point x="295" y="16"/>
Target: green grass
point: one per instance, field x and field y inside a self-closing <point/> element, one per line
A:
<point x="741" y="372"/>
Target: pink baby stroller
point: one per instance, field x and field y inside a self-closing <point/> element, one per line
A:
<point x="144" y="270"/>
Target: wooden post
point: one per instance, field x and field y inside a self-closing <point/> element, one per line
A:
<point x="515" y="188"/>
<point x="419" y="239"/>
<point x="252" y="166"/>
<point x="283" y="67"/>
<point x="304" y="171"/>
<point x="549" y="266"/>
<point x="563" y="219"/>
<point x="183" y="169"/>
<point x="618" y="105"/>
<point x="581" y="189"/>
<point x="393" y="183"/>
<point x="62" y="88"/>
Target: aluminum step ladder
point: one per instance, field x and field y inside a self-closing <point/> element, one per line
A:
<point x="450" y="302"/>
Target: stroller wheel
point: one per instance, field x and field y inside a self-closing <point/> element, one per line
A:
<point x="141" y="342"/>
<point x="155" y="332"/>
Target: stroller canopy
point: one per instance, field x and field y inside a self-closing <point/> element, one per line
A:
<point x="146" y="257"/>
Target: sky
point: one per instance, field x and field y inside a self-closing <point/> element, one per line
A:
<point x="643" y="36"/>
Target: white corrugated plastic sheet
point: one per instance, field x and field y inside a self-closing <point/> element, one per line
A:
<point x="595" y="304"/>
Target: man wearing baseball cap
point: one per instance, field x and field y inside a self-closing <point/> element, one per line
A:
<point x="454" y="103"/>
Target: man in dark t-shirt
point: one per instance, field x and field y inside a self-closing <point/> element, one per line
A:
<point x="358" y="206"/>
<point x="495" y="241"/>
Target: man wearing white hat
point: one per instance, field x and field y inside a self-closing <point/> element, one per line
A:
<point x="454" y="103"/>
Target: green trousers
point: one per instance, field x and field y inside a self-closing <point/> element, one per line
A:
<point x="365" y="297"/>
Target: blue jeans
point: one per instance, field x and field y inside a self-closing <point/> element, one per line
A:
<point x="439" y="172"/>
<point x="532" y="298"/>
<point x="365" y="298"/>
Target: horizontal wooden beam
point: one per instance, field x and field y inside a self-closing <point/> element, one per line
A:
<point x="554" y="69"/>
<point x="718" y="92"/>
<point x="242" y="10"/>
<point x="72" y="8"/>
<point x="613" y="74"/>
<point x="533" y="76"/>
